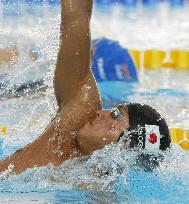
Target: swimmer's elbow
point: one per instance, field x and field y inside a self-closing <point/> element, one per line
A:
<point x="6" y="168"/>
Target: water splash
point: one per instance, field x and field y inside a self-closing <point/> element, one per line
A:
<point x="110" y="169"/>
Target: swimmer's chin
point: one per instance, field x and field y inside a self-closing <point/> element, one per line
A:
<point x="87" y="126"/>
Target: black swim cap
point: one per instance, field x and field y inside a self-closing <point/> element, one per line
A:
<point x="142" y="116"/>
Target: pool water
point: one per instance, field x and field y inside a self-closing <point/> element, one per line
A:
<point x="110" y="175"/>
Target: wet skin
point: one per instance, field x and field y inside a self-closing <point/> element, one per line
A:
<point x="103" y="130"/>
<point x="80" y="126"/>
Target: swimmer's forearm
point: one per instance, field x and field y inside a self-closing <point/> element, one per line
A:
<point x="74" y="57"/>
<point x="33" y="155"/>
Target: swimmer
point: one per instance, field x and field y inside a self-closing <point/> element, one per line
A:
<point x="81" y="126"/>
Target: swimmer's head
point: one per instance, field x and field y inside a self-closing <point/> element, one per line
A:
<point x="128" y="123"/>
<point x="147" y="128"/>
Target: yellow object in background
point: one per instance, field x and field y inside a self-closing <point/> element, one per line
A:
<point x="3" y="130"/>
<point x="179" y="59"/>
<point x="180" y="137"/>
<point x="153" y="58"/>
<point x="168" y="64"/>
<point x="184" y="145"/>
<point x="176" y="135"/>
<point x="136" y="56"/>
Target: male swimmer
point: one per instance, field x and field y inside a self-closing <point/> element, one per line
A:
<point x="81" y="126"/>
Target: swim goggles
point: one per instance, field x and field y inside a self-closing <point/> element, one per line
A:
<point x="116" y="113"/>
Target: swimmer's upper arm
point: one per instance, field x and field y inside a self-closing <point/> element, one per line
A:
<point x="73" y="68"/>
<point x="44" y="150"/>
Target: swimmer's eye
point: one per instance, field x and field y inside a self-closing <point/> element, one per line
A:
<point x="116" y="113"/>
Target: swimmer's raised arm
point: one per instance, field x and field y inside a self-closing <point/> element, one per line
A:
<point x="81" y="126"/>
<point x="58" y="142"/>
<point x="75" y="90"/>
<point x="73" y="68"/>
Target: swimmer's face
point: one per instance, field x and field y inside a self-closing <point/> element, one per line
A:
<point x="103" y="130"/>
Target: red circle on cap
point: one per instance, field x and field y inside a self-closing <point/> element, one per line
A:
<point x="152" y="138"/>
